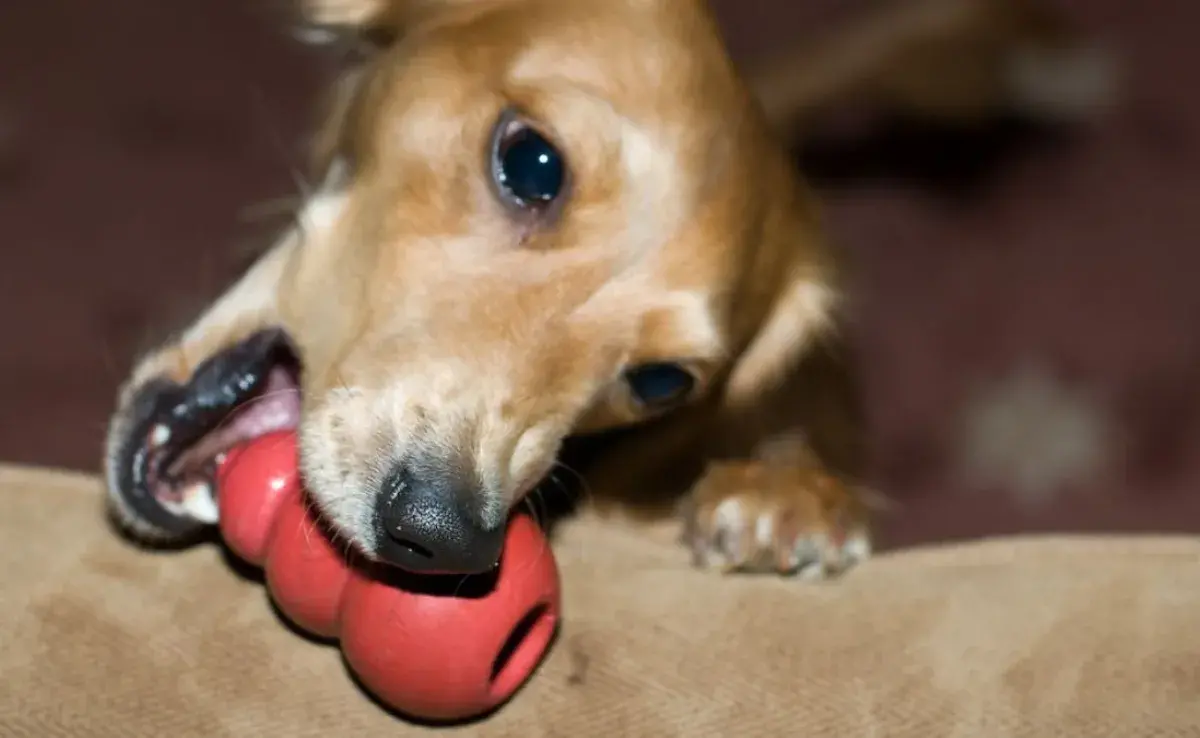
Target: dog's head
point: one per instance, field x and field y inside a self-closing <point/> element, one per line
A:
<point x="537" y="218"/>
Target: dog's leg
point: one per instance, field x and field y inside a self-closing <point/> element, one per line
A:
<point x="789" y="497"/>
<point x="750" y="500"/>
<point x="777" y="509"/>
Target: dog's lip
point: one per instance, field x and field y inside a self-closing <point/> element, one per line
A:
<point x="138" y="462"/>
<point x="169" y="425"/>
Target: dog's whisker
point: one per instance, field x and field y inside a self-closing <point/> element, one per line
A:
<point x="462" y="582"/>
<point x="541" y="510"/>
<point x="271" y="208"/>
<point x="276" y="139"/>
<point x="318" y="526"/>
<point x="310" y="526"/>
<point x="527" y="569"/>
<point x="529" y="504"/>
<point x="559" y="484"/>
<point x="304" y="188"/>
<point x="585" y="491"/>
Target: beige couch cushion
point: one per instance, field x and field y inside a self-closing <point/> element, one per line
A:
<point x="1075" y="637"/>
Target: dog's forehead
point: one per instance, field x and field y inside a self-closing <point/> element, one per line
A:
<point x="637" y="97"/>
<point x="643" y="61"/>
<point x="654" y="55"/>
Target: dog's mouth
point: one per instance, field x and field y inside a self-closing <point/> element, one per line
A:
<point x="164" y="467"/>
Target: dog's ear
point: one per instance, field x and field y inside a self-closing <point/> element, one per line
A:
<point x="801" y="316"/>
<point x="798" y="369"/>
<point x="791" y="292"/>
<point x="362" y="24"/>
<point x="373" y="23"/>
<point x="353" y="31"/>
<point x="344" y="13"/>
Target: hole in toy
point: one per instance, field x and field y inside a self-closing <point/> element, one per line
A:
<point x="522" y="650"/>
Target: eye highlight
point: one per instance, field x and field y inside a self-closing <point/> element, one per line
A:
<point x="660" y="385"/>
<point x="528" y="172"/>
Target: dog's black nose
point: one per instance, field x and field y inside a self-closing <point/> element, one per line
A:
<point x="427" y="527"/>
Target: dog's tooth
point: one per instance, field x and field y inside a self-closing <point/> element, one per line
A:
<point x="160" y="435"/>
<point x="175" y="507"/>
<point x="200" y="504"/>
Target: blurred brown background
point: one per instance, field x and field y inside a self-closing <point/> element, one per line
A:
<point x="136" y="137"/>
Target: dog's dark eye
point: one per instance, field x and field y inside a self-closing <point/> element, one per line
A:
<point x="528" y="171"/>
<point x="659" y="385"/>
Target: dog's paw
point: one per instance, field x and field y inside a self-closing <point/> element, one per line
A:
<point x="750" y="517"/>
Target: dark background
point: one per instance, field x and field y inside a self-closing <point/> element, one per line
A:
<point x="141" y="142"/>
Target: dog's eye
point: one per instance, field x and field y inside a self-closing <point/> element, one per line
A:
<point x="528" y="171"/>
<point x="656" y="386"/>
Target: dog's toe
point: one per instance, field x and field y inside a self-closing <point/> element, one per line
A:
<point x="745" y="523"/>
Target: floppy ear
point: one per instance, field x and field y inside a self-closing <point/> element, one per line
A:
<point x="378" y="22"/>
<point x="799" y="372"/>
<point x="355" y="30"/>
<point x="798" y="320"/>
<point x="344" y="13"/>
<point x="363" y="22"/>
<point x="797" y="369"/>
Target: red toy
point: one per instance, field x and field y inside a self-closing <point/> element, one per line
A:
<point x="432" y="656"/>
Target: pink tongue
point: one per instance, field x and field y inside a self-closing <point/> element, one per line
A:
<point x="276" y="409"/>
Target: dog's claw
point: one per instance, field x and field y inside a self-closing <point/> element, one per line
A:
<point x="789" y="530"/>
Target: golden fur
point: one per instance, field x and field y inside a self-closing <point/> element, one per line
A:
<point x="425" y="313"/>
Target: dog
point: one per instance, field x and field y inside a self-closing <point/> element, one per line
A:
<point x="560" y="237"/>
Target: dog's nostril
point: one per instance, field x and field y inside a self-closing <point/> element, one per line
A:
<point x="412" y="546"/>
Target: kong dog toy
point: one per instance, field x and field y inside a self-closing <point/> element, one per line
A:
<point x="431" y="647"/>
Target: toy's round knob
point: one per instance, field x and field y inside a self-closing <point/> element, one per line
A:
<point x="305" y="574"/>
<point x="253" y="480"/>
<point x="460" y="651"/>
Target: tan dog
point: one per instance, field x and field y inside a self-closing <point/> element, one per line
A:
<point x="550" y="226"/>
